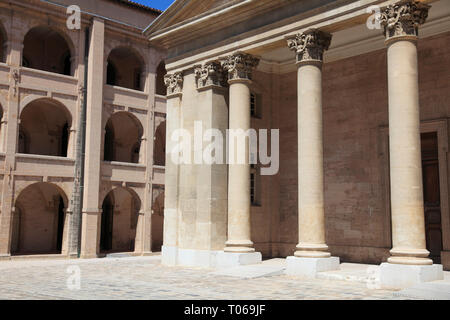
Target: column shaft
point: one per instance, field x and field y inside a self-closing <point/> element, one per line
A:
<point x="310" y="160"/>
<point x="408" y="223"/>
<point x="401" y="23"/>
<point x="239" y="230"/>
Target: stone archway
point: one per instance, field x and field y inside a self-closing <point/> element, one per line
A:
<point x="159" y="152"/>
<point x="123" y="134"/>
<point x="120" y="214"/>
<point x="38" y="220"/>
<point x="157" y="220"/>
<point x="44" y="128"/>
<point x="125" y="68"/>
<point x="47" y="49"/>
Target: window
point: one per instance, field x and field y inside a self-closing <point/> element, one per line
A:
<point x="254" y="186"/>
<point x="255" y="105"/>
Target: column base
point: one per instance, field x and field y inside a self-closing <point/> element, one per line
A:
<point x="5" y="257"/>
<point x="400" y="276"/>
<point x="232" y="259"/>
<point x="309" y="267"/>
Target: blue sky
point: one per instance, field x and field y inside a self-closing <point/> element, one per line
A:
<point x="157" y="4"/>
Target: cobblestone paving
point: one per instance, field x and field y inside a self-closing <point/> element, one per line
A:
<point x="144" y="278"/>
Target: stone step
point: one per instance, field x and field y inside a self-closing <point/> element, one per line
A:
<point x="251" y="272"/>
<point x="435" y="290"/>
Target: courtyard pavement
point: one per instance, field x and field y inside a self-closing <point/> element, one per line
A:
<point x="144" y="278"/>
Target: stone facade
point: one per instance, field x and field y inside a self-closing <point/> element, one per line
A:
<point x="363" y="100"/>
<point x="44" y="88"/>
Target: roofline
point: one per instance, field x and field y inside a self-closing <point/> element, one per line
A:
<point x="133" y="4"/>
<point x="193" y="20"/>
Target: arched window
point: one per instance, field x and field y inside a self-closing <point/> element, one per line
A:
<point x="161" y="88"/>
<point x="46" y="49"/>
<point x="159" y="152"/>
<point x="3" y="46"/>
<point x="44" y="128"/>
<point x="123" y="133"/>
<point x="125" y="68"/>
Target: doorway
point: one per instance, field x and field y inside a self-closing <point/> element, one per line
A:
<point x="432" y="195"/>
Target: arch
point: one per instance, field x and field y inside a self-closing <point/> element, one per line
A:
<point x="38" y="220"/>
<point x="120" y="213"/>
<point x="161" y="88"/>
<point x="159" y="149"/>
<point x="48" y="49"/>
<point x="3" y="43"/>
<point x="123" y="134"/>
<point x="158" y="221"/>
<point x="44" y="128"/>
<point x="126" y="68"/>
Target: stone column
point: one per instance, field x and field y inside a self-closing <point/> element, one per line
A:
<point x="91" y="220"/>
<point x="174" y="83"/>
<point x="401" y="22"/>
<point x="312" y="252"/>
<point x="239" y="67"/>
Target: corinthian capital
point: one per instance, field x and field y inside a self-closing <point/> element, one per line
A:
<point x="174" y="83"/>
<point x="310" y="45"/>
<point x="210" y="74"/>
<point x="403" y="18"/>
<point x="240" y="66"/>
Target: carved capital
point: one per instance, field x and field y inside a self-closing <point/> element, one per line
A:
<point x="403" y="19"/>
<point x="174" y="83"/>
<point x="240" y="66"/>
<point x="310" y="45"/>
<point x="210" y="74"/>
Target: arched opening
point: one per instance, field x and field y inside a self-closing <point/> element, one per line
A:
<point x="123" y="133"/>
<point x="120" y="213"/>
<point x="158" y="221"/>
<point x="161" y="88"/>
<point x="3" y="44"/>
<point x="46" y="49"/>
<point x="159" y="153"/>
<point x="44" y="128"/>
<point x="1" y="127"/>
<point x="38" y="220"/>
<point x="125" y="68"/>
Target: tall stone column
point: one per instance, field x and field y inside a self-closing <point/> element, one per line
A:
<point x="239" y="67"/>
<point x="174" y="83"/>
<point x="401" y="22"/>
<point x="312" y="253"/>
<point x="91" y="218"/>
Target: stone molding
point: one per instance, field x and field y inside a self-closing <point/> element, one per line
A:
<point x="403" y="19"/>
<point x="310" y="45"/>
<point x="240" y="66"/>
<point x="174" y="83"/>
<point x="210" y="74"/>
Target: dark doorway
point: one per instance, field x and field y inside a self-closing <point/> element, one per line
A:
<point x="59" y="237"/>
<point x="107" y="224"/>
<point x="432" y="195"/>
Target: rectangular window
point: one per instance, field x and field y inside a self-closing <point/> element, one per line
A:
<point x="254" y="186"/>
<point x="253" y="105"/>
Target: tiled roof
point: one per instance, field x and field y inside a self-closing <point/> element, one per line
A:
<point x="138" y="5"/>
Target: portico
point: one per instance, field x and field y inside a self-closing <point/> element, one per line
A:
<point x="346" y="83"/>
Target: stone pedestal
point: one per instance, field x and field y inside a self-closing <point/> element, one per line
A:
<point x="400" y="276"/>
<point x="169" y="256"/>
<point x="231" y="259"/>
<point x="309" y="267"/>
